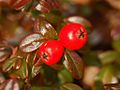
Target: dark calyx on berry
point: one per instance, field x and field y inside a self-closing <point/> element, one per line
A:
<point x="80" y="34"/>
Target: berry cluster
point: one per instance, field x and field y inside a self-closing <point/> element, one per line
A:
<point x="72" y="36"/>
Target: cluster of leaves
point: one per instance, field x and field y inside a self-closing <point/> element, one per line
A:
<point x="23" y="32"/>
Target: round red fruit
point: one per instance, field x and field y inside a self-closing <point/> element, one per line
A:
<point x="51" y="51"/>
<point x="73" y="36"/>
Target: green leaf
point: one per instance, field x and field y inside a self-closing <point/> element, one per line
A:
<point x="116" y="69"/>
<point x="92" y="59"/>
<point x="35" y="13"/>
<point x="28" y="6"/>
<point x="35" y="64"/>
<point x="108" y="57"/>
<point x="41" y="88"/>
<point x="99" y="85"/>
<point x="9" y="63"/>
<point x="74" y="64"/>
<point x="70" y="86"/>
<point x="22" y="71"/>
<point x="35" y="70"/>
<point x="116" y="45"/>
<point x="54" y="17"/>
<point x="65" y="76"/>
<point x="50" y="75"/>
<point x="105" y="75"/>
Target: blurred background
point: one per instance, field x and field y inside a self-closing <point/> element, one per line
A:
<point x="102" y="19"/>
<point x="104" y="15"/>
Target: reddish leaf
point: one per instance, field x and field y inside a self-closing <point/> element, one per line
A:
<point x="80" y="20"/>
<point x="10" y="84"/>
<point x="45" y="28"/>
<point x="31" y="42"/>
<point x="18" y="4"/>
<point x="74" y="64"/>
<point x="5" y="52"/>
<point x="45" y="6"/>
<point x="38" y="62"/>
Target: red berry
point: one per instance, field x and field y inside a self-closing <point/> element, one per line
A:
<point x="51" y="51"/>
<point x="73" y="36"/>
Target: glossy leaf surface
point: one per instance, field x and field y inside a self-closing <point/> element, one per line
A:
<point x="74" y="64"/>
<point x="46" y="29"/>
<point x="10" y="84"/>
<point x="70" y="86"/>
<point x="10" y="63"/>
<point x="5" y="52"/>
<point x="108" y="57"/>
<point x="22" y="72"/>
<point x="46" y="6"/>
<point x="80" y="20"/>
<point x="31" y="42"/>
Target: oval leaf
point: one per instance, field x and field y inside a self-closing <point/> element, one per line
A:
<point x="31" y="42"/>
<point x="10" y="63"/>
<point x="106" y="75"/>
<point x="74" y="64"/>
<point x="5" y="52"/>
<point x="45" y="28"/>
<point x="11" y="84"/>
<point x="92" y="59"/>
<point x="65" y="76"/>
<point x="35" y="70"/>
<point x="108" y="57"/>
<point x="22" y="71"/>
<point x="45" y="6"/>
<point x="19" y="4"/>
<point x="80" y="20"/>
<point x="70" y="86"/>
